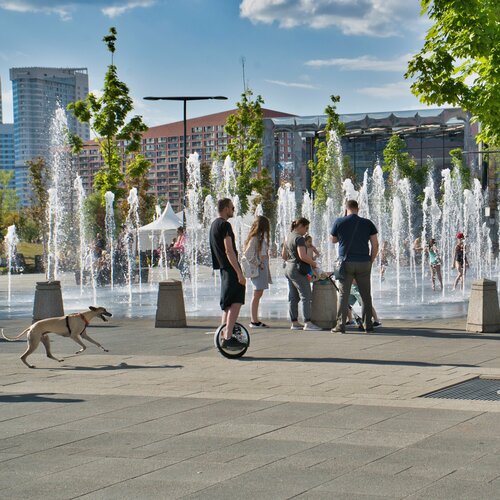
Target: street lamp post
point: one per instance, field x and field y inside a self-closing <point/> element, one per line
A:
<point x="184" y="99"/>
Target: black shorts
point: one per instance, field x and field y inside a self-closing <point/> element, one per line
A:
<point x="231" y="291"/>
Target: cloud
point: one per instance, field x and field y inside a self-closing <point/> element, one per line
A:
<point x="353" y="17"/>
<point x="65" y="8"/>
<point x="388" y="90"/>
<point x="293" y="84"/>
<point x="363" y="63"/>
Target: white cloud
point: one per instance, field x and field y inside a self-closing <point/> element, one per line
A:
<point x="65" y="8"/>
<point x="387" y="91"/>
<point x="293" y="84"/>
<point x="119" y="9"/>
<point x="364" y="63"/>
<point x="353" y="17"/>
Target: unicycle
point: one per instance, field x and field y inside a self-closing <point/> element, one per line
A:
<point x="240" y="333"/>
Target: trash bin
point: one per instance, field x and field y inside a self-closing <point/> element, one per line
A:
<point x="324" y="304"/>
<point x="48" y="300"/>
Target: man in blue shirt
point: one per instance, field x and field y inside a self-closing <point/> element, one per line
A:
<point x="358" y="246"/>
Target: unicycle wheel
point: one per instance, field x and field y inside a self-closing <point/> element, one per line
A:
<point x="240" y="334"/>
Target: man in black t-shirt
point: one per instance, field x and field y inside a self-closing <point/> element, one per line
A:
<point x="358" y="246"/>
<point x="225" y="258"/>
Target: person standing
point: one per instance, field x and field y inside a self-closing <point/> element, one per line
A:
<point x="460" y="261"/>
<point x="358" y="247"/>
<point x="434" y="263"/>
<point x="225" y="258"/>
<point x="298" y="265"/>
<point x="256" y="257"/>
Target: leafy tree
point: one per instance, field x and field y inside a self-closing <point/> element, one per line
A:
<point x="39" y="176"/>
<point x="8" y="198"/>
<point x="327" y="172"/>
<point x="460" y="60"/>
<point x="136" y="176"/>
<point x="205" y="173"/>
<point x="246" y="129"/>
<point x="107" y="117"/>
<point x="457" y="160"/>
<point x="263" y="185"/>
<point x="395" y="155"/>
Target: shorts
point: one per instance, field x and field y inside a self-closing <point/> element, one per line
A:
<point x="231" y="291"/>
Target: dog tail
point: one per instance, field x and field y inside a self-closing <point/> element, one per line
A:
<point x="11" y="339"/>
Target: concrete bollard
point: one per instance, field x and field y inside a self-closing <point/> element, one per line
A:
<point x="483" y="315"/>
<point x="324" y="304"/>
<point x="170" y="311"/>
<point x="48" y="300"/>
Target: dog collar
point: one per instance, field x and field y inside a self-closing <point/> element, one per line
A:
<point x="84" y="319"/>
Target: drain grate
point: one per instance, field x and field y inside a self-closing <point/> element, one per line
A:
<point x="482" y="389"/>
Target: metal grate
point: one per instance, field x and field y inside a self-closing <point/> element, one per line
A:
<point x="482" y="389"/>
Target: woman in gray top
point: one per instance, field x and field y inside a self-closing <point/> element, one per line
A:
<point x="298" y="264"/>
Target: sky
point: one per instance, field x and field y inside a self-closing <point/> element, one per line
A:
<point x="296" y="52"/>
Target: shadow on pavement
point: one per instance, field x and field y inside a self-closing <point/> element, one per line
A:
<point x="355" y="361"/>
<point x="35" y="398"/>
<point x="121" y="366"/>
<point x="427" y="332"/>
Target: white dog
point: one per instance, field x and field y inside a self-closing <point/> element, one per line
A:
<point x="73" y="326"/>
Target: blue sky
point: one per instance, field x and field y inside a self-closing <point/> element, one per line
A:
<point x="297" y="52"/>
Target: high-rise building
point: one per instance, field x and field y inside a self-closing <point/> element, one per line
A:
<point x="36" y="94"/>
<point x="1" y="116"/>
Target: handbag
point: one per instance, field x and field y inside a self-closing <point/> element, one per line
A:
<point x="339" y="264"/>
<point x="303" y="268"/>
<point x="249" y="270"/>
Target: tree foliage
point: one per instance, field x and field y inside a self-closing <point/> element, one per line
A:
<point x="263" y="185"/>
<point x="327" y="171"/>
<point x="107" y="117"/>
<point x="8" y="198"/>
<point x="136" y="176"/>
<point x="246" y="129"/>
<point x="396" y="156"/>
<point x="457" y="160"/>
<point x="459" y="63"/>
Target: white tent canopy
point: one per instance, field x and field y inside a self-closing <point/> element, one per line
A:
<point x="166" y="224"/>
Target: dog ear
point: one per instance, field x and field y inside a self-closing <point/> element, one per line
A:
<point x="92" y="308"/>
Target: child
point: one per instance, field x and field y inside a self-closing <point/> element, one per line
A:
<point x="312" y="252"/>
<point x="356" y="297"/>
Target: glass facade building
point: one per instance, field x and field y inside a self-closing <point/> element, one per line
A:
<point x="36" y="94"/>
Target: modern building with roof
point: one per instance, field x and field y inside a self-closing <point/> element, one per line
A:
<point x="36" y="93"/>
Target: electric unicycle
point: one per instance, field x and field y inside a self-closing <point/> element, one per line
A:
<point x="240" y="333"/>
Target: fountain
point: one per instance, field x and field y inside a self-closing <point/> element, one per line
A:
<point x="109" y="223"/>
<point x="10" y="244"/>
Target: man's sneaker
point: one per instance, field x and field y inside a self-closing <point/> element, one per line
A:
<point x="232" y="344"/>
<point x="338" y="329"/>
<point x="311" y="327"/>
<point x="296" y="326"/>
<point x="376" y="324"/>
<point x="258" y="325"/>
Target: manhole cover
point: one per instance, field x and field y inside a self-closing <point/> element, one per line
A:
<point x="483" y="389"/>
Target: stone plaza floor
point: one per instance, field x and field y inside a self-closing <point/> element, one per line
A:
<point x="303" y="414"/>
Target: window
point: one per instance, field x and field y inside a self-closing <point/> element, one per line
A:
<point x="197" y="129"/>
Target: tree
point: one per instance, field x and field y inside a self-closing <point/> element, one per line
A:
<point x="327" y="171"/>
<point x="107" y="117"/>
<point x="136" y="176"/>
<point x="263" y="185"/>
<point x="246" y="129"/>
<point x="8" y="197"/>
<point x="457" y="160"/>
<point x="39" y="176"/>
<point x="459" y="63"/>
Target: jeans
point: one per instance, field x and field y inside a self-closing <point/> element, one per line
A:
<point x="360" y="271"/>
<point x="299" y="289"/>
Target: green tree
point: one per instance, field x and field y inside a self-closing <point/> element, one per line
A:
<point x="459" y="63"/>
<point x="246" y="129"/>
<point x="395" y="155"/>
<point x="136" y="176"/>
<point x="263" y="185"/>
<point x="8" y="198"/>
<point x="39" y="178"/>
<point x="327" y="172"/>
<point x="457" y="160"/>
<point x="107" y="117"/>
